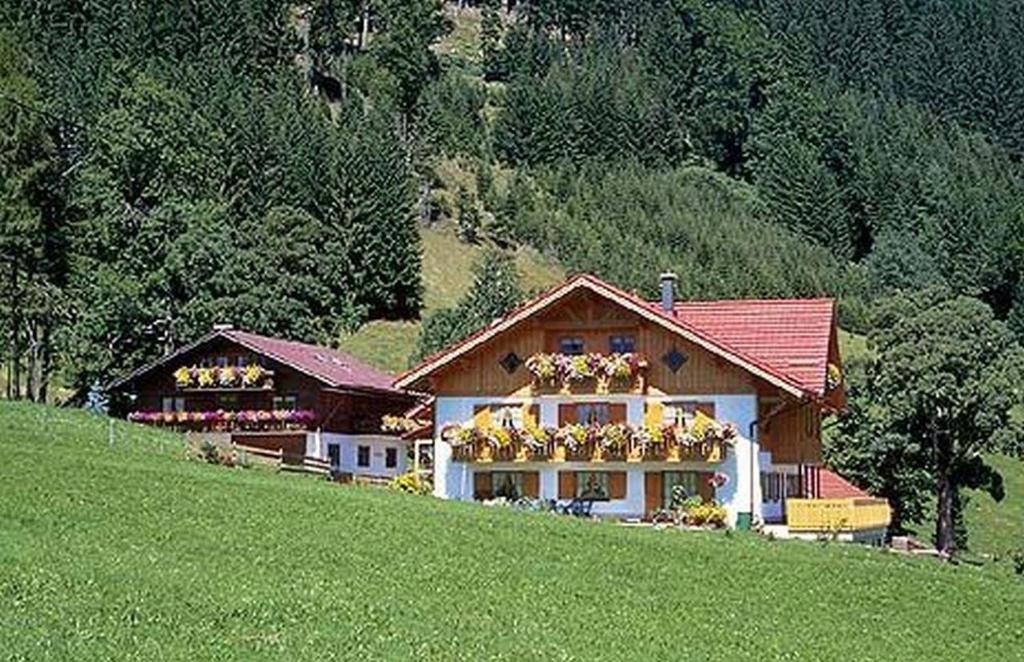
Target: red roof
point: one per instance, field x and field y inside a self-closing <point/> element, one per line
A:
<point x="790" y="336"/>
<point x="783" y="340"/>
<point x="333" y="368"/>
<point x="833" y="486"/>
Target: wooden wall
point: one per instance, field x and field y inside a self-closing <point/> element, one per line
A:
<point x="793" y="435"/>
<point x="586" y="315"/>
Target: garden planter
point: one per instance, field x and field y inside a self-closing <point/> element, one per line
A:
<point x="673" y="454"/>
<point x="486" y="454"/>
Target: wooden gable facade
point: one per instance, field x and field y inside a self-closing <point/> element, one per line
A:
<point x="791" y="429"/>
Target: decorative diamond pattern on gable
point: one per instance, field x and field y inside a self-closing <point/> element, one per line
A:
<point x="674" y="359"/>
<point x="511" y="362"/>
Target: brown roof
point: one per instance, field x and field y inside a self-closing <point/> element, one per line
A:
<point x="331" y="367"/>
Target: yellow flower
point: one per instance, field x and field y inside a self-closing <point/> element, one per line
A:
<point x="183" y="377"/>
<point x="205" y="377"/>
<point x="252" y="374"/>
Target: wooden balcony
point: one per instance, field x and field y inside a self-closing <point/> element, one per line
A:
<point x="837" y="515"/>
<point x="482" y="452"/>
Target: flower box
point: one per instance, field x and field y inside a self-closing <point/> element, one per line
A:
<point x="587" y="373"/>
<point x="252" y="375"/>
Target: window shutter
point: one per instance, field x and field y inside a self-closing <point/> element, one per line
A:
<point x="704" y="487"/>
<point x="566" y="484"/>
<point x="654" y="415"/>
<point x="566" y="414"/>
<point x="617" y="485"/>
<point x="482" y="417"/>
<point x="531" y="416"/>
<point x="706" y="408"/>
<point x="653" y="487"/>
<point x="531" y="484"/>
<point x="617" y="412"/>
<point x="483" y="486"/>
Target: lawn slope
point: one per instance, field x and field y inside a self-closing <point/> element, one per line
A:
<point x="123" y="550"/>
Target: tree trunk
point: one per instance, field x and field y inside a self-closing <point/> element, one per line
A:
<point x="14" y="385"/>
<point x="945" y="535"/>
<point x="364" y="27"/>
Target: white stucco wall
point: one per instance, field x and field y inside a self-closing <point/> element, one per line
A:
<point x="454" y="480"/>
<point x="348" y="445"/>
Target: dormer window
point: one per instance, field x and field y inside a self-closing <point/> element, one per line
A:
<point x="570" y="345"/>
<point x="622" y="344"/>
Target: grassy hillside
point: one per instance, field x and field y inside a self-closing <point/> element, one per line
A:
<point x="997" y="528"/>
<point x="447" y="276"/>
<point x="126" y="551"/>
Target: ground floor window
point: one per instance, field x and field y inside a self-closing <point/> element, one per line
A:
<point x="363" y="456"/>
<point x="794" y="486"/>
<point x="173" y="403"/>
<point x="592" y="485"/>
<point x="286" y="402"/>
<point x="390" y="458"/>
<point x="334" y="455"/>
<point x="771" y="486"/>
<point x="508" y="484"/>
<point x="679" y="484"/>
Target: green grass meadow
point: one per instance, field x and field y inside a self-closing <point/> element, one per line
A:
<point x="125" y="550"/>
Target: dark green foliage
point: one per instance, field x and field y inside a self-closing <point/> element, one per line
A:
<point x="939" y="392"/>
<point x="467" y="216"/>
<point x="407" y="29"/>
<point x="450" y="116"/>
<point x="494" y="292"/>
<point x="33" y="228"/>
<point x="491" y="30"/>
<point x="628" y="223"/>
<point x="206" y="184"/>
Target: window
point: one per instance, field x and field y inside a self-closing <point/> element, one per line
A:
<point x="508" y="484"/>
<point x="794" y="487"/>
<point x="771" y="486"/>
<point x="621" y="344"/>
<point x="592" y="485"/>
<point x="286" y="402"/>
<point x="677" y="413"/>
<point x="363" y="456"/>
<point x="685" y="484"/>
<point x="334" y="455"/>
<point x="172" y="403"/>
<point x="570" y="345"/>
<point x="227" y="401"/>
<point x="510" y="418"/>
<point x="390" y="458"/>
<point x="595" y="413"/>
<point x="241" y="361"/>
<point x="222" y="362"/>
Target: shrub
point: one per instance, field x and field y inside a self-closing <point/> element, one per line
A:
<point x="1017" y="557"/>
<point x="411" y="482"/>
<point x="706" y="514"/>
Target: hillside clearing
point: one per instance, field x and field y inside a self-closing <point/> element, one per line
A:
<point x="127" y="551"/>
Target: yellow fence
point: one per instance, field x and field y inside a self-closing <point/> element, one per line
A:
<point x="837" y="514"/>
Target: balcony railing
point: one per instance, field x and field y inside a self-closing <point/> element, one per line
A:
<point x="484" y="452"/>
<point x="249" y="420"/>
<point x="252" y="376"/>
<point x="588" y="373"/>
<point x="837" y="515"/>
